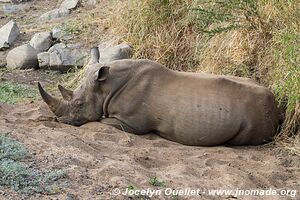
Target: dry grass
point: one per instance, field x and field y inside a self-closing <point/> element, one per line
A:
<point x="265" y="46"/>
<point x="158" y="31"/>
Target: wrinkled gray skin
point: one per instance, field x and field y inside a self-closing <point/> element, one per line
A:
<point x="141" y="96"/>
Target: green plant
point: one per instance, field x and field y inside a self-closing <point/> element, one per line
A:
<point x="131" y="188"/>
<point x="174" y="196"/>
<point x="15" y="93"/>
<point x="11" y="149"/>
<point x="17" y="175"/>
<point x="287" y="69"/>
<point x="156" y="182"/>
<point x="217" y="16"/>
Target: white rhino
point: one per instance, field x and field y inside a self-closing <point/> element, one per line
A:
<point x="142" y="96"/>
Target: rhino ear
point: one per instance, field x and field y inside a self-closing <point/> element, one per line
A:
<point x="102" y="73"/>
<point x="95" y="55"/>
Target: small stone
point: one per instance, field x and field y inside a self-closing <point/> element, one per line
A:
<point x="11" y="8"/>
<point x="69" y="4"/>
<point x="53" y="14"/>
<point x="44" y="60"/>
<point x="91" y="2"/>
<point x="121" y="51"/>
<point x="57" y="33"/>
<point x="18" y="1"/>
<point x="41" y="41"/>
<point x="8" y="34"/>
<point x="22" y="57"/>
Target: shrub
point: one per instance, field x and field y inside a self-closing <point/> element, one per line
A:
<point x="17" y="175"/>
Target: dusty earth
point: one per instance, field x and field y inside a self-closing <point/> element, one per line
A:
<point x="99" y="158"/>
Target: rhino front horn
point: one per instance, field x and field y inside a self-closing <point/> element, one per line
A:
<point x="52" y="102"/>
<point x="66" y="94"/>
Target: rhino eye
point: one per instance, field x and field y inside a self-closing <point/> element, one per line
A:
<point x="78" y="103"/>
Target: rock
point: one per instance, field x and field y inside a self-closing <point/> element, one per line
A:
<point x="63" y="57"/>
<point x="8" y="34"/>
<point x="11" y="8"/>
<point x="91" y="2"/>
<point x="59" y="33"/>
<point x="41" y="41"/>
<point x="22" y="57"/>
<point x="53" y="14"/>
<point x="69" y="4"/>
<point x="2" y="65"/>
<point x="121" y="51"/>
<point x="44" y="60"/>
<point x="12" y="1"/>
<point x="18" y="1"/>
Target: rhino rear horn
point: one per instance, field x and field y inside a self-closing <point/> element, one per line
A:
<point x="52" y="102"/>
<point x="66" y="94"/>
<point x="95" y="55"/>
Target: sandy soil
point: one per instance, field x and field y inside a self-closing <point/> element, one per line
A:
<point x="100" y="158"/>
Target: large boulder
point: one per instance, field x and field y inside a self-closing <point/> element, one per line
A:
<point x="22" y="57"/>
<point x="121" y="51"/>
<point x="53" y="14"/>
<point x="69" y="4"/>
<point x="41" y="41"/>
<point x="63" y="57"/>
<point x="8" y="34"/>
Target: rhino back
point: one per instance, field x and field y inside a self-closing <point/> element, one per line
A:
<point x="194" y="109"/>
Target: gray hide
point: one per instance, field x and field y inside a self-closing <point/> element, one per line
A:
<point x="142" y="96"/>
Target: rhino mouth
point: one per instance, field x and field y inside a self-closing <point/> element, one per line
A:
<point x="71" y="122"/>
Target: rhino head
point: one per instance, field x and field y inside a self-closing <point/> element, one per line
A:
<point x="85" y="103"/>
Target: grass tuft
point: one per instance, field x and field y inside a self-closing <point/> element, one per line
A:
<point x="13" y="93"/>
<point x="156" y="182"/>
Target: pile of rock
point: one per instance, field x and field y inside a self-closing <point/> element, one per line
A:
<point x="43" y="51"/>
<point x="63" y="11"/>
<point x="62" y="57"/>
<point x="40" y="53"/>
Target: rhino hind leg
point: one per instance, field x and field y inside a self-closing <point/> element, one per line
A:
<point x="120" y="125"/>
<point x="249" y="135"/>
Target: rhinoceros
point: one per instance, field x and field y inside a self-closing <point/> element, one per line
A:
<point x="142" y="96"/>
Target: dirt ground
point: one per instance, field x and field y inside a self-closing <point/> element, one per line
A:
<point x="100" y="159"/>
